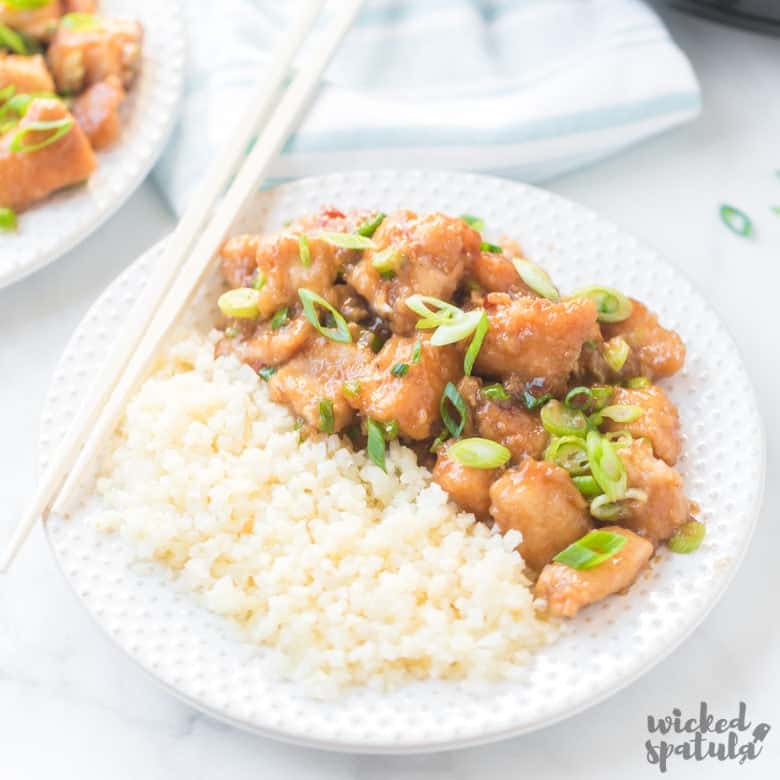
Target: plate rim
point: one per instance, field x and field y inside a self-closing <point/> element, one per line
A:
<point x="339" y="745"/>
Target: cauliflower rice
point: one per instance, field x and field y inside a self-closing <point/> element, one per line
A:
<point x="347" y="575"/>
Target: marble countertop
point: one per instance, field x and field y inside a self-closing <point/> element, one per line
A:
<point x="71" y="705"/>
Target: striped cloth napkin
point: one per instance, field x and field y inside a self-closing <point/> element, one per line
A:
<point x="521" y="88"/>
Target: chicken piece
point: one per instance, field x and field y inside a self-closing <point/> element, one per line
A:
<point x="80" y="6"/>
<point x="530" y="338"/>
<point x="659" y="422"/>
<point x="495" y="272"/>
<point x="38" y="23"/>
<point x="468" y="487"/>
<point x="539" y="500"/>
<point x="332" y="219"/>
<point x="318" y="374"/>
<point x="412" y="399"/>
<point x="27" y="177"/>
<point x="97" y="112"/>
<point x="655" y="351"/>
<point x="85" y="54"/>
<point x="433" y="252"/>
<point x="566" y="591"/>
<point x="667" y="506"/>
<point x="268" y="346"/>
<point x="27" y="74"/>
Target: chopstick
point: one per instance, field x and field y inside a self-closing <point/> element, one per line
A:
<point x="178" y="276"/>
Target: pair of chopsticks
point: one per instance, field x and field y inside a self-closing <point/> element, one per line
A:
<point x="186" y="258"/>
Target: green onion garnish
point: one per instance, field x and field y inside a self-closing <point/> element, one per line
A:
<point x="327" y="422"/>
<point x="593" y="549"/>
<point x="26" y="5"/>
<point x="388" y="261"/>
<point x="473" y="222"/>
<point x="80" y="21"/>
<point x="601" y="395"/>
<point x="391" y="430"/>
<point x="340" y="332"/>
<point x="578" y="398"/>
<point x="536" y="278"/>
<point x="438" y="441"/>
<point x="458" y="329"/>
<point x="433" y="311"/>
<point x="495" y="392"/>
<point x="606" y="466"/>
<point x="8" y="221"/>
<point x="400" y="369"/>
<point x="620" y="413"/>
<point x="587" y="485"/>
<point x="479" y="453"/>
<point x="620" y="438"/>
<point x="231" y="332"/>
<point x="638" y="381"/>
<point x="368" y="229"/>
<point x="476" y="344"/>
<point x="687" y="537"/>
<point x="280" y="318"/>
<point x="611" y="305"/>
<point x="61" y="127"/>
<point x="616" y="352"/>
<point x="7" y="92"/>
<point x="304" y="252"/>
<point x="266" y="372"/>
<point x="453" y="397"/>
<point x="10" y="39"/>
<point x="560" y="421"/>
<point x="416" y="352"/>
<point x="376" y="444"/>
<point x="533" y="402"/>
<point x="610" y="511"/>
<point x="351" y="388"/>
<point x="736" y="221"/>
<point x="569" y="452"/>
<point x="495" y="249"/>
<point x="241" y="303"/>
<point x="346" y="240"/>
<point x="775" y="210"/>
<point x="259" y="281"/>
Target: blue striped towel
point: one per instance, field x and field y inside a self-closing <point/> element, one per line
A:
<point x="522" y="88"/>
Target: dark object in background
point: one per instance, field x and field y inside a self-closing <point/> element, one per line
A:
<point x="761" y="15"/>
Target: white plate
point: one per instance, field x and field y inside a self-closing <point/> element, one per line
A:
<point x="54" y="226"/>
<point x="197" y="655"/>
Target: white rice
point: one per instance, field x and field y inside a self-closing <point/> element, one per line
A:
<point x="346" y="574"/>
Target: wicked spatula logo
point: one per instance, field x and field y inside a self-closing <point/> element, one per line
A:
<point x="704" y="736"/>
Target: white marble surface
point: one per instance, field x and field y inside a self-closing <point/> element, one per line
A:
<point x="72" y="706"/>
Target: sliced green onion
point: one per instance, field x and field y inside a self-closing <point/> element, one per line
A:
<point x="452" y="396"/>
<point x="388" y="261"/>
<point x="611" y="305"/>
<point x="26" y="5"/>
<point x="619" y="438"/>
<point x="259" y="281"/>
<point x="391" y="430"/>
<point x="533" y="402"/>
<point x="606" y="466"/>
<point x="638" y="381"/>
<point x="400" y="369"/>
<point x="578" y="398"/>
<point x="376" y="444"/>
<point x="473" y="222"/>
<point x="7" y="92"/>
<point x="775" y="210"/>
<point x="569" y="452"/>
<point x="280" y="318"/>
<point x="351" y="388"/>
<point x="688" y="537"/>
<point x="80" y="22"/>
<point x="327" y="421"/>
<point x="441" y="312"/>
<point x="368" y="229"/>
<point x="616" y="352"/>
<point x="304" y="251"/>
<point x="587" y="485"/>
<point x="8" y="221"/>
<point x="495" y="249"/>
<point x="476" y="343"/>
<point x="340" y="332"/>
<point x="438" y="441"/>
<point x="266" y="372"/>
<point x="601" y="395"/>
<point x="536" y="278"/>
<point x="458" y="329"/>
<point x="10" y="39"/>
<point x="241" y="303"/>
<point x="736" y="221"/>
<point x="496" y="392"/>
<point x="608" y="511"/>
<point x="479" y="453"/>
<point x="231" y="332"/>
<point x="346" y="240"/>
<point x="593" y="549"/>
<point x="621" y="413"/>
<point x="416" y="352"/>
<point x="60" y="127"/>
<point x="560" y="421"/>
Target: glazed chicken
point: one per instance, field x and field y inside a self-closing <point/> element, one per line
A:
<point x="536" y="411"/>
<point x="25" y="74"/>
<point x="97" y="112"/>
<point x="38" y="23"/>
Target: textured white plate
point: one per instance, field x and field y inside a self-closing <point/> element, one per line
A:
<point x="199" y="657"/>
<point x="56" y="225"/>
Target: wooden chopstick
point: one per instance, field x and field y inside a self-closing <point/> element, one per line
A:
<point x="168" y="291"/>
